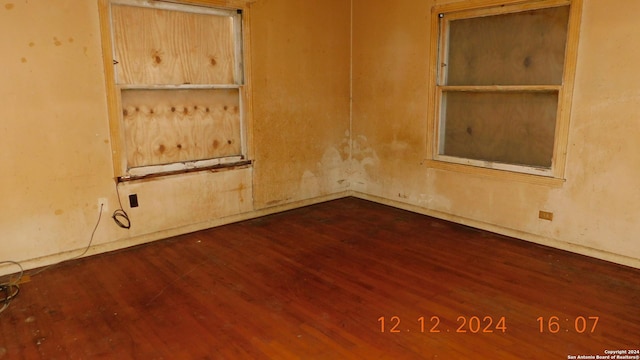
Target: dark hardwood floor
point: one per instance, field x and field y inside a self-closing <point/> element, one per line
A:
<point x="347" y="279"/>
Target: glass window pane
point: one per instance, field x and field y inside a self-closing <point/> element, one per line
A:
<point x="523" y="48"/>
<point x="506" y="127"/>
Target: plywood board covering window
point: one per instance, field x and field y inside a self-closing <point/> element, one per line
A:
<point x="178" y="74"/>
<point x="169" y="126"/>
<point x="157" y="46"/>
<point x="503" y="85"/>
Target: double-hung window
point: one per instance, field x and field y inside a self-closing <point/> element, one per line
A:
<point x="178" y="85"/>
<point x="502" y="83"/>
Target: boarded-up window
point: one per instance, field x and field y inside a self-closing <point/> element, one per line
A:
<point x="178" y="70"/>
<point x="500" y="83"/>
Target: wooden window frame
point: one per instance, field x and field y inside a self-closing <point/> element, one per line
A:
<point x="114" y="91"/>
<point x="553" y="176"/>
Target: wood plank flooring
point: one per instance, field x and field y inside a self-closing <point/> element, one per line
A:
<point x="346" y="279"/>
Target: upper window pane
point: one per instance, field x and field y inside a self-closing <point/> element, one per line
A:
<point x="165" y="47"/>
<point x="522" y="48"/>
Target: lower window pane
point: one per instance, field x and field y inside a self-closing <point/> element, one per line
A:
<point x="171" y="126"/>
<point x="506" y="127"/>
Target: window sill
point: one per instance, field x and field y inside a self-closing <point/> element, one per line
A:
<point x="149" y="172"/>
<point x="495" y="173"/>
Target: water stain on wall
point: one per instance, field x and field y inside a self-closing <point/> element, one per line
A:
<point x="342" y="166"/>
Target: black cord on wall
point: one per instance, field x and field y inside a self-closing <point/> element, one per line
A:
<point x="120" y="216"/>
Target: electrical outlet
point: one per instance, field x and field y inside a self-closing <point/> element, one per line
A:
<point x="133" y="200"/>
<point x="545" y="215"/>
<point x="104" y="203"/>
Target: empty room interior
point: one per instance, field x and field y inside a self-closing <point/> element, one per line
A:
<point x="331" y="179"/>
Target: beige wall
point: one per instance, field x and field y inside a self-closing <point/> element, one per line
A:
<point x="596" y="210"/>
<point x="56" y="159"/>
<point x="301" y="99"/>
<point x="57" y="163"/>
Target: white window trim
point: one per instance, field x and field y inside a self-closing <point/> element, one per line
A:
<point x="236" y="9"/>
<point x="433" y="158"/>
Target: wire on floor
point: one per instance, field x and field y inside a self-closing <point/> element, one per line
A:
<point x="10" y="289"/>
